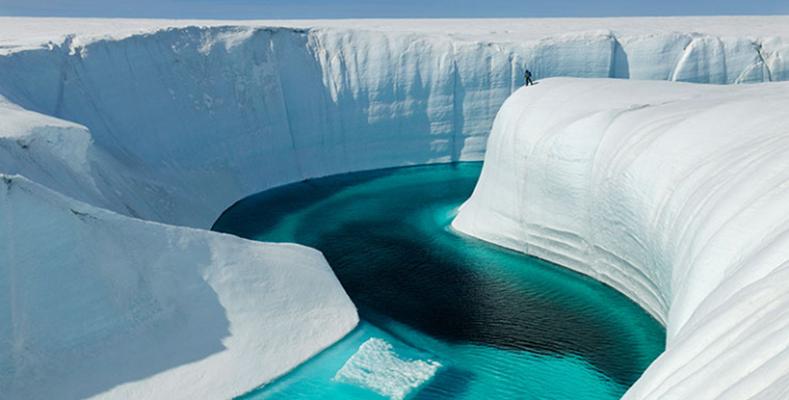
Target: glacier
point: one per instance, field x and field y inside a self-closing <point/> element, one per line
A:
<point x="675" y="194"/>
<point x="119" y="136"/>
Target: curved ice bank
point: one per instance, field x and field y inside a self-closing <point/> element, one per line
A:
<point x="675" y="194"/>
<point x="99" y="304"/>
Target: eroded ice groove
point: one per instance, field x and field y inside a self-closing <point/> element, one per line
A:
<point x="676" y="195"/>
<point x="377" y="367"/>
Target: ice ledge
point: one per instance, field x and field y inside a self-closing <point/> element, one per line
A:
<point x="676" y="195"/>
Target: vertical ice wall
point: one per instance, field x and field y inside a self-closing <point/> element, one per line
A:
<point x="201" y="117"/>
<point x="175" y="125"/>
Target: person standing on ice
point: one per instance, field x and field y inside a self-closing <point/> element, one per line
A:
<point x="527" y="78"/>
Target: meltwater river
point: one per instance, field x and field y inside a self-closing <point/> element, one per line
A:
<point x="444" y="316"/>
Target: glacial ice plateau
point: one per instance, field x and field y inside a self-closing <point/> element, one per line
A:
<point x="109" y="128"/>
<point x="675" y="194"/>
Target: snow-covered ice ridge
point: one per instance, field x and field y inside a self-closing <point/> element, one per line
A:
<point x="675" y="194"/>
<point x="172" y="121"/>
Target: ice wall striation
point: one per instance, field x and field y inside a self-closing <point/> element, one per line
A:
<point x="200" y="117"/>
<point x="676" y="195"/>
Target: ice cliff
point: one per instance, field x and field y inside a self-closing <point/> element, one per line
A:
<point x="171" y="122"/>
<point x="184" y="121"/>
<point x="676" y="195"/>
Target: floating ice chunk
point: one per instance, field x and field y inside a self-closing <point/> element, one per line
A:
<point x="377" y="367"/>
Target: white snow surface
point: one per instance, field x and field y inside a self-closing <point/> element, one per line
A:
<point x="172" y="121"/>
<point x="675" y="194"/>
<point x="377" y="367"/>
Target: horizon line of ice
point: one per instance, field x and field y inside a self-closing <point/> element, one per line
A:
<point x="161" y="110"/>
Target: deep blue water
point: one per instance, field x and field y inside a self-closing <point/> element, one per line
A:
<point x="501" y="324"/>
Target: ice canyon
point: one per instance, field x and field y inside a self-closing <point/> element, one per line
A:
<point x="121" y="141"/>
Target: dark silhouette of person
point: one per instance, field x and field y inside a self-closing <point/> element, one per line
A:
<point x="527" y="78"/>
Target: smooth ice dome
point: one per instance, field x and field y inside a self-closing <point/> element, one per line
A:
<point x="675" y="194"/>
<point x="106" y="125"/>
